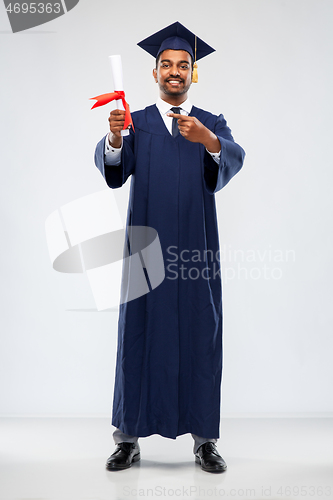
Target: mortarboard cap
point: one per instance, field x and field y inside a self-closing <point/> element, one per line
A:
<point x="176" y="37"/>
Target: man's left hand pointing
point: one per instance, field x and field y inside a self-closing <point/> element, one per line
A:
<point x="193" y="130"/>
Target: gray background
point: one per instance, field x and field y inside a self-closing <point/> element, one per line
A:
<point x="271" y="77"/>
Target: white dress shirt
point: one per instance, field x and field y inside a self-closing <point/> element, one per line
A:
<point x="113" y="155"/>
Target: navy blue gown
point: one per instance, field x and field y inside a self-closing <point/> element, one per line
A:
<point x="169" y="357"/>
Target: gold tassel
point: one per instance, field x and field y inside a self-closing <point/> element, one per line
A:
<point x="195" y="73"/>
<point x="195" y="66"/>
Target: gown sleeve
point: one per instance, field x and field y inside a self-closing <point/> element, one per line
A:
<point x="231" y="159"/>
<point x="116" y="176"/>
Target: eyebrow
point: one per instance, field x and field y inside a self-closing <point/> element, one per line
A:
<point x="179" y="62"/>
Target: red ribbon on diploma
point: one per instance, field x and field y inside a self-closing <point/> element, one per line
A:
<point x="114" y="96"/>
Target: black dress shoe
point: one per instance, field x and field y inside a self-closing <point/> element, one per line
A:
<point x="124" y="456"/>
<point x="209" y="459"/>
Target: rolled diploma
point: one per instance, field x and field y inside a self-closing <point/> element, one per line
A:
<point x="117" y="73"/>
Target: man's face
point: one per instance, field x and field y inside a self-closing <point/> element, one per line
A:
<point x="173" y="73"/>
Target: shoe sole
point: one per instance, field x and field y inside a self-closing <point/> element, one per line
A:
<point x="136" y="458"/>
<point x="206" y="469"/>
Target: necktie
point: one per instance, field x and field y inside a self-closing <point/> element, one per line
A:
<point x="175" y="129"/>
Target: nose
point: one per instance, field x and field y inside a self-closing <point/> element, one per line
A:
<point x="174" y="71"/>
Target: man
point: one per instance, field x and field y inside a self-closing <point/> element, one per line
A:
<point x="169" y="359"/>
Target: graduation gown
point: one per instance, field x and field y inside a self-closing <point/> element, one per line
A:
<point x="169" y="356"/>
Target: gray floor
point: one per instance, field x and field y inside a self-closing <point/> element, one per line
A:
<point x="268" y="458"/>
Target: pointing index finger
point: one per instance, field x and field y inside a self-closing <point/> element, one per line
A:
<point x="184" y="118"/>
<point x="175" y="115"/>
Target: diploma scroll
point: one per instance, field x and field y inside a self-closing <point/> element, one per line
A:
<point x="117" y="73"/>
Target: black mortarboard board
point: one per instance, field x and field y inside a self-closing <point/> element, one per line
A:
<point x="176" y="37"/>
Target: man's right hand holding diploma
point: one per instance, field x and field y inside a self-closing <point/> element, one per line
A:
<point x="116" y="121"/>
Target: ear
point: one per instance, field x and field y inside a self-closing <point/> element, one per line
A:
<point x="155" y="74"/>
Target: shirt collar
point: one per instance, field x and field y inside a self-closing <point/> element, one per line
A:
<point x="164" y="107"/>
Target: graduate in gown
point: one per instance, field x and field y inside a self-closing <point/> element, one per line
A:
<point x="169" y="357"/>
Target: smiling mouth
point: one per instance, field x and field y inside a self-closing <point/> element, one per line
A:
<point x="174" y="82"/>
